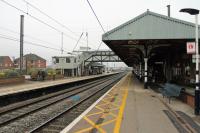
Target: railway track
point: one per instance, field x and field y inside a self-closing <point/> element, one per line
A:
<point x="34" y="114"/>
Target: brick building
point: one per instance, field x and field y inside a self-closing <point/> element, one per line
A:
<point x="31" y="61"/>
<point x="6" y="62"/>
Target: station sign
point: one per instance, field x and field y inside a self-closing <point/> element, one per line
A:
<point x="191" y="49"/>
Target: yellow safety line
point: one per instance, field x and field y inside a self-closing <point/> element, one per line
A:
<point x="95" y="113"/>
<point x="114" y="104"/>
<point x="109" y="94"/>
<point x="99" y="108"/>
<point x="94" y="125"/>
<point x="84" y="130"/>
<point x="103" y="104"/>
<point x="117" y="118"/>
<point x="110" y="113"/>
<point x="107" y="99"/>
<point x="108" y="102"/>
<point x="121" y="111"/>
<point x="90" y="128"/>
<point x="118" y="100"/>
<point x="107" y="122"/>
<point x="114" y="109"/>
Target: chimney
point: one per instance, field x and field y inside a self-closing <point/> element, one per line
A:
<point x="168" y="7"/>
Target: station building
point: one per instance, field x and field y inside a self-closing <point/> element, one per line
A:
<point x="155" y="46"/>
<point x="75" y="65"/>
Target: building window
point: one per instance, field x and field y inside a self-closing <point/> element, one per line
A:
<point x="31" y="61"/>
<point x="74" y="60"/>
<point x="57" y="60"/>
<point x="6" y="65"/>
<point x="67" y="60"/>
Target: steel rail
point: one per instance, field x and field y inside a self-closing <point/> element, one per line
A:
<point x="15" y="106"/>
<point x="73" y="106"/>
<point x="56" y="101"/>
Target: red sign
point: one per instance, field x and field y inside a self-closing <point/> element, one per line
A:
<point x="191" y="49"/>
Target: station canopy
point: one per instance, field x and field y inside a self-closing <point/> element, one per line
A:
<point x="152" y="30"/>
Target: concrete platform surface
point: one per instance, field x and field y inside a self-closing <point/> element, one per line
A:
<point x="32" y="85"/>
<point x="126" y="108"/>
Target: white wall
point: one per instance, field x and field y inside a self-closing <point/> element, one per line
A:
<point x="72" y="65"/>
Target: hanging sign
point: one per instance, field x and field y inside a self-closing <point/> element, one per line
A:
<point x="191" y="48"/>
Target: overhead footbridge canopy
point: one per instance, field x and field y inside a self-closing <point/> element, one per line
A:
<point x="147" y="35"/>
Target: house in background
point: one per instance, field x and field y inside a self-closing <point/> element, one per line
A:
<point x="31" y="61"/>
<point x="6" y="63"/>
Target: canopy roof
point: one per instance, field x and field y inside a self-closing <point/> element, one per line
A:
<point x="149" y="30"/>
<point x="150" y="25"/>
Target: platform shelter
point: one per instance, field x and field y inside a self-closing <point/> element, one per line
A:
<point x="155" y="46"/>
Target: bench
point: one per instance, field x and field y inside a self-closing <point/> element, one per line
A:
<point x="171" y="90"/>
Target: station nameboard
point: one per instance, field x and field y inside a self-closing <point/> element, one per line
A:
<point x="191" y="48"/>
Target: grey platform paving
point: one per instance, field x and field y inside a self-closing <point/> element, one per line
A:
<point x="144" y="112"/>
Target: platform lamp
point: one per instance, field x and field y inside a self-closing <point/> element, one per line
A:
<point x="197" y="96"/>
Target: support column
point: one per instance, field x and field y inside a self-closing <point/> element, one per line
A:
<point x="140" y="70"/>
<point x="84" y="73"/>
<point x="72" y="72"/>
<point x="145" y="73"/>
<point x="197" y="92"/>
<point x="21" y="64"/>
<point x="62" y="71"/>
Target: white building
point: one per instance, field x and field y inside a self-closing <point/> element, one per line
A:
<point x="74" y="64"/>
<point x="69" y="65"/>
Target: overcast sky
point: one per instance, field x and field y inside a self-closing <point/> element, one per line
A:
<point x="78" y="17"/>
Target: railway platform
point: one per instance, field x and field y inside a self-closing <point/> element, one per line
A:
<point x="12" y="89"/>
<point x="129" y="108"/>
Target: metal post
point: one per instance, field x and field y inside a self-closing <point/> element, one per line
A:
<point x="26" y="65"/>
<point x="145" y="73"/>
<point x="87" y="40"/>
<point x="21" y="41"/>
<point x="73" y="72"/>
<point x="73" y="67"/>
<point x="197" y="97"/>
<point x="62" y="70"/>
<point x="140" y="70"/>
<point x="84" y="73"/>
<point x="81" y="69"/>
<point x="62" y="43"/>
